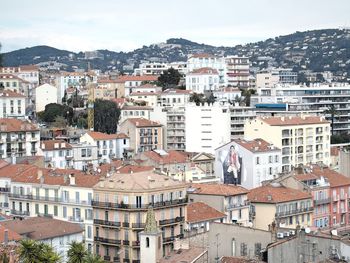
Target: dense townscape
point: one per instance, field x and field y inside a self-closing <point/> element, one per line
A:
<point x="177" y="152"/>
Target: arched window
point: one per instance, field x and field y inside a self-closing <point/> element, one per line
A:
<point x="147" y="241"/>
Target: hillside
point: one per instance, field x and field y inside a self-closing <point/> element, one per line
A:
<point x="317" y="50"/>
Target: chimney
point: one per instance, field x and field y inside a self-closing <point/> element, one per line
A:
<point x="6" y="237"/>
<point x="13" y="159"/>
<point x="71" y="179"/>
<point x="40" y="174"/>
<point x="282" y="118"/>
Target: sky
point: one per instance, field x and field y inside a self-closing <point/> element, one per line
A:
<point x="124" y="25"/>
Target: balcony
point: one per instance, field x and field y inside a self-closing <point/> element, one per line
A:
<point x="238" y="206"/>
<point x="172" y="238"/>
<point x="136" y="261"/>
<point x="126" y="242"/>
<point x="19" y="213"/>
<point x="75" y="219"/>
<point x="48" y="159"/>
<point x="116" y="259"/>
<point x="69" y="158"/>
<point x="135" y="243"/>
<point x="171" y="221"/>
<point x="107" y="258"/>
<point x="108" y="241"/>
<point x="322" y="201"/>
<point x="294" y="211"/>
<point x="111" y="155"/>
<point x="123" y="206"/>
<point x="4" y="205"/>
<point x="5" y="189"/>
<point x="126" y="224"/>
<point x="138" y="225"/>
<point x="106" y="223"/>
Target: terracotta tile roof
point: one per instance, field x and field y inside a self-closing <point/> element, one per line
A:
<point x="202" y="55"/>
<point x="219" y="189"/>
<point x="15" y="125"/>
<point x="25" y="173"/>
<point x="176" y="91"/>
<point x="204" y="71"/>
<point x="11" y="94"/>
<point x="138" y="78"/>
<point x="29" y="68"/>
<point x="287" y="121"/>
<point x="144" y="93"/>
<point x="257" y="145"/>
<point x="275" y="194"/>
<point x="107" y="80"/>
<point x="12" y="235"/>
<point x="105" y="136"/>
<point x="238" y="260"/>
<point x="334" y="151"/>
<point x="172" y="157"/>
<point x="134" y="168"/>
<point x="133" y="107"/>
<point x="54" y="145"/>
<point x="138" y="182"/>
<point x="200" y="212"/>
<point x="190" y="255"/>
<point x="40" y="228"/>
<point x="142" y="122"/>
<point x="334" y="178"/>
<point x="9" y="76"/>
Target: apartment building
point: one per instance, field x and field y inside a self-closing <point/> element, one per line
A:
<point x="44" y="94"/>
<point x="131" y="82"/>
<point x="176" y="129"/>
<point x="239" y="116"/>
<point x="13" y="104"/>
<point x="145" y="135"/>
<point x="269" y="78"/>
<point x="331" y="193"/>
<point x="61" y="194"/>
<point x="144" y="98"/>
<point x="237" y="71"/>
<point x="229" y="199"/>
<point x="227" y="94"/>
<point x="84" y="156"/>
<point x="314" y="99"/>
<point x="202" y="80"/>
<point x="285" y="206"/>
<point x="133" y="111"/>
<point x="29" y="73"/>
<point x="109" y="146"/>
<point x="303" y="140"/>
<point x="120" y="206"/>
<point x="157" y="68"/>
<point x="247" y="162"/>
<point x="18" y="138"/>
<point x="207" y="127"/>
<point x="113" y="86"/>
<point x="174" y="98"/>
<point x="57" y="154"/>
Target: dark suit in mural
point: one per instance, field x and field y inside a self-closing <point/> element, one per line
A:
<point x="232" y="167"/>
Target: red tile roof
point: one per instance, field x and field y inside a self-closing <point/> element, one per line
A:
<point x="172" y="157"/>
<point x="134" y="168"/>
<point x="41" y="228"/>
<point x="239" y="260"/>
<point x="144" y="93"/>
<point x="134" y="107"/>
<point x="54" y="145"/>
<point x="142" y="122"/>
<point x="257" y="145"/>
<point x="15" y="125"/>
<point x="138" y="78"/>
<point x="105" y="136"/>
<point x="205" y="71"/>
<point x="200" y="212"/>
<point x="12" y="235"/>
<point x="219" y="189"/>
<point x="275" y="194"/>
<point x="10" y="94"/>
<point x="291" y="120"/>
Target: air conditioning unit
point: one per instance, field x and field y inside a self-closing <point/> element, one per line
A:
<point x="286" y="234"/>
<point x="292" y="232"/>
<point x="280" y="235"/>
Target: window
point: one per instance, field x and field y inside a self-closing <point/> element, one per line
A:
<point x="257" y="249"/>
<point x="147" y="241"/>
<point x="257" y="160"/>
<point x="243" y="249"/>
<point x="64" y="212"/>
<point x="270" y="159"/>
<point x="83" y="152"/>
<point x="36" y="208"/>
<point x="55" y="210"/>
<point x="89" y="234"/>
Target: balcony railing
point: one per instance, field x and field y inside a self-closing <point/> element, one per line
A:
<point x="139" y="206"/>
<point x="126" y="242"/>
<point x="19" y="213"/>
<point x="135" y="243"/>
<point x="238" y="206"/>
<point x="294" y="211"/>
<point x="116" y="259"/>
<point x="138" y="225"/>
<point x="126" y="224"/>
<point x="108" y="240"/>
<point x="106" y="223"/>
<point x="75" y="219"/>
<point x="322" y="201"/>
<point x="107" y="258"/>
<point x="171" y="221"/>
<point x="49" y="199"/>
<point x="5" y="189"/>
<point x="172" y="238"/>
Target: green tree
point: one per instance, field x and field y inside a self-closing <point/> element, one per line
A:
<point x="169" y="78"/>
<point x="332" y="110"/>
<point x="106" y="116"/>
<point x="76" y="252"/>
<point x="90" y="258"/>
<point x="31" y="251"/>
<point x="197" y="98"/>
<point x="53" y="110"/>
<point x="319" y="77"/>
<point x="60" y="122"/>
<point x="211" y="99"/>
<point x="246" y="94"/>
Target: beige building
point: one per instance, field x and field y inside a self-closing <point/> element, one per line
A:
<point x="112" y="85"/>
<point x="303" y="140"/>
<point x="120" y="207"/>
<point x="286" y="207"/>
<point x="145" y="135"/>
<point x="229" y="199"/>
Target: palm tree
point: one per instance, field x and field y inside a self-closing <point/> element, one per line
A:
<point x="332" y="110"/>
<point x="76" y="252"/>
<point x="47" y="255"/>
<point x="28" y="251"/>
<point x="90" y="258"/>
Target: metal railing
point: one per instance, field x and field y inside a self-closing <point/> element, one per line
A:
<point x="294" y="211"/>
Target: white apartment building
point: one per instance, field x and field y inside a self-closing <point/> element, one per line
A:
<point x="227" y="94"/>
<point x="151" y="88"/>
<point x="202" y="80"/>
<point x="239" y="115"/>
<point x="314" y="99"/>
<point x="12" y="104"/>
<point x="303" y="140"/>
<point x="131" y="82"/>
<point x="157" y="68"/>
<point x="109" y="146"/>
<point x="174" y="98"/>
<point x="57" y="154"/>
<point x="18" y="138"/>
<point x="197" y="61"/>
<point x="84" y="156"/>
<point x="237" y="71"/>
<point x="132" y="111"/>
<point x="44" y="94"/>
<point x="144" y="98"/>
<point x="207" y="127"/>
<point x="60" y="194"/>
<point x="254" y="161"/>
<point x="269" y="78"/>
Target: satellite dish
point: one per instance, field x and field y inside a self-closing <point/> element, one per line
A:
<point x="307" y="230"/>
<point x="334" y="232"/>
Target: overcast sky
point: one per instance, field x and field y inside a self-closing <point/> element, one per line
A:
<point x="123" y="25"/>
